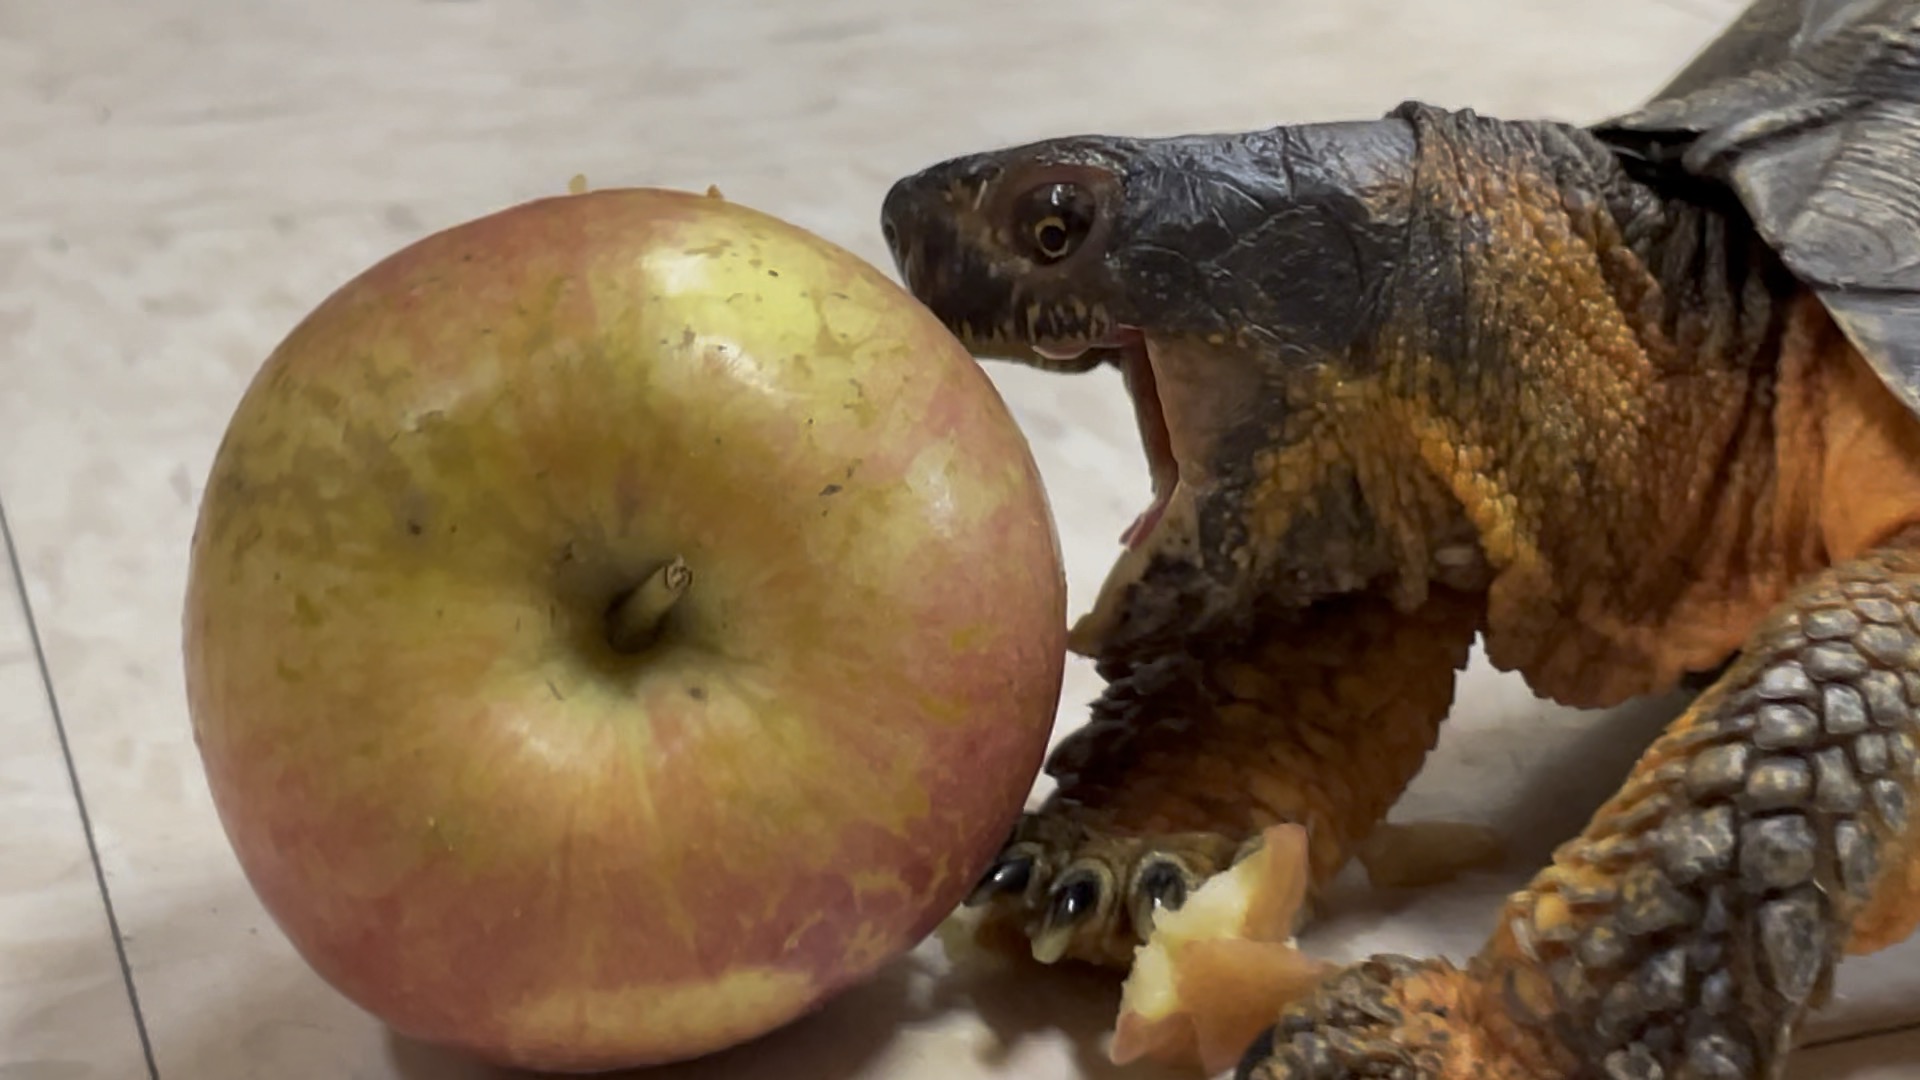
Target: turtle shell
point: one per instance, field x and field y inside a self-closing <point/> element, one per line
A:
<point x="1809" y="111"/>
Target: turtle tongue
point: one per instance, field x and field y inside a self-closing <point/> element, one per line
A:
<point x="1136" y="367"/>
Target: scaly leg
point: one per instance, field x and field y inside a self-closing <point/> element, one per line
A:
<point x="1692" y="926"/>
<point x="1322" y="722"/>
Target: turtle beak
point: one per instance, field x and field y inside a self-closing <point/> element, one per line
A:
<point x="949" y="275"/>
<point x="948" y="258"/>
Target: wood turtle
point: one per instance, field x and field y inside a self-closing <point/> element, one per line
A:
<point x="1632" y="403"/>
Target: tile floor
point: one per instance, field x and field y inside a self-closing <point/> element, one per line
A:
<point x="183" y="179"/>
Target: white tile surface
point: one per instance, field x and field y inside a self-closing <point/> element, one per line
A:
<point x="185" y="178"/>
<point x="64" y="1009"/>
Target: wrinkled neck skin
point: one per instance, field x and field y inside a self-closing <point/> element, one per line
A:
<point x="1517" y="372"/>
<point x="1588" y="368"/>
<point x="1257" y="266"/>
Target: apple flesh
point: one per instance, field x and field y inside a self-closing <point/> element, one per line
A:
<point x="470" y="811"/>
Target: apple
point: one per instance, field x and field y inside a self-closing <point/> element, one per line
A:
<point x="615" y="625"/>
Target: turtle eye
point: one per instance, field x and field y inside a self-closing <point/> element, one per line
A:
<point x="1054" y="218"/>
<point x="1051" y="239"/>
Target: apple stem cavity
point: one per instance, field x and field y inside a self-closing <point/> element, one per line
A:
<point x="635" y="619"/>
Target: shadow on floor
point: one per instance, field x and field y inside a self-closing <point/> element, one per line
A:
<point x="984" y="1010"/>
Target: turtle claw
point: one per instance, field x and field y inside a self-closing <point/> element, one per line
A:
<point x="1080" y="892"/>
<point x="1077" y="897"/>
<point x="1011" y="873"/>
<point x="1159" y="884"/>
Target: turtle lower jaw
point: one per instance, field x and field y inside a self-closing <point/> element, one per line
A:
<point x="1128" y="349"/>
<point x="1150" y="586"/>
<point x="1135" y="359"/>
<point x="1133" y="608"/>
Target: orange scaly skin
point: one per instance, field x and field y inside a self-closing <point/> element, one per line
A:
<point x="1440" y="374"/>
<point x="1184" y="762"/>
<point x="1699" y="915"/>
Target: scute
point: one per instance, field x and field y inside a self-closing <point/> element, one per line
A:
<point x="1809" y="110"/>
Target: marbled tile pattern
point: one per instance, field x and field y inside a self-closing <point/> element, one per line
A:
<point x="182" y="179"/>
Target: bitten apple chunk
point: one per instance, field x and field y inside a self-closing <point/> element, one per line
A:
<point x="1216" y="971"/>
<point x="615" y="625"/>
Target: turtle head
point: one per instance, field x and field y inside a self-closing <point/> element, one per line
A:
<point x="1011" y="249"/>
<point x="1055" y="252"/>
<point x="1237" y="281"/>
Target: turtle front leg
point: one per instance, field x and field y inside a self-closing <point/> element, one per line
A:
<point x="1320" y="723"/>
<point x="1690" y="928"/>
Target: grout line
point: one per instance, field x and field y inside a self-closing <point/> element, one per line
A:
<point x="79" y="798"/>
<point x="1861" y="1036"/>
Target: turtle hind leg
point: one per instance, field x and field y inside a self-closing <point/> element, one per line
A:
<point x="1691" y="927"/>
<point x="1321" y="723"/>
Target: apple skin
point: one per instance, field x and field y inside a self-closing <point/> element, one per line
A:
<point x="466" y="811"/>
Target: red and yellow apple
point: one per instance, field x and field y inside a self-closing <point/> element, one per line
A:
<point x="497" y="782"/>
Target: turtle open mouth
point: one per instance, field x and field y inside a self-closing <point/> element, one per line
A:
<point x="1128" y="350"/>
<point x="1135" y="359"/>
